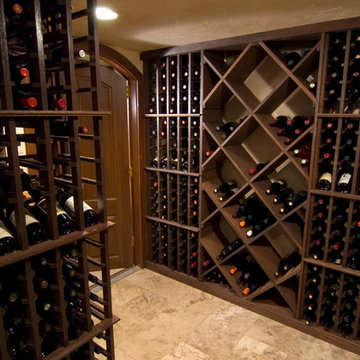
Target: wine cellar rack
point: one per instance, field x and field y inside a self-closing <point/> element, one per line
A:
<point x="278" y="111"/>
<point x="48" y="309"/>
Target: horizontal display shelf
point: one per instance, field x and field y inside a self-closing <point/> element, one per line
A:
<point x="47" y="245"/>
<point x="172" y="223"/>
<point x="51" y="113"/>
<point x="332" y="266"/>
<point x="339" y="115"/>
<point x="335" y="194"/>
<point x="179" y="172"/>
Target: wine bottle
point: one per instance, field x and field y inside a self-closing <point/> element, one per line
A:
<point x="57" y="103"/>
<point x="276" y="187"/>
<point x="19" y="350"/>
<point x="69" y="273"/>
<point x="327" y="319"/>
<point x="288" y="262"/>
<point x="15" y="11"/>
<point x="283" y="195"/>
<point x="8" y="243"/>
<point x="345" y="325"/>
<point x="303" y="152"/>
<point x="345" y="178"/>
<point x="280" y="122"/>
<point x="258" y="167"/>
<point x="57" y="54"/>
<point x="225" y="186"/>
<point x="61" y="127"/>
<point x="24" y="100"/>
<point x="266" y="221"/>
<point x="292" y="58"/>
<point x="236" y="244"/>
<point x="256" y="279"/>
<point x="65" y="224"/>
<point x="295" y="200"/>
<point x="325" y="179"/>
<point x="246" y="207"/>
<point x="44" y="306"/>
<point x="35" y="231"/>
<point x="228" y="194"/>
<point x="19" y="73"/>
<point x="226" y="128"/>
<point x="66" y="201"/>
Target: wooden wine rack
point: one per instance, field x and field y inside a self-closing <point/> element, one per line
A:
<point x="57" y="160"/>
<point x="246" y="80"/>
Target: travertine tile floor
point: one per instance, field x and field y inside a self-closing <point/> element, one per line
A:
<point x="163" y="319"/>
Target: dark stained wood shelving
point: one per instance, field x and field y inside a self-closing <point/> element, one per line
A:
<point x="251" y="84"/>
<point x="48" y="157"/>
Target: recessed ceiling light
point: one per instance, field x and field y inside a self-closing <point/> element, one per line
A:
<point x="104" y="13"/>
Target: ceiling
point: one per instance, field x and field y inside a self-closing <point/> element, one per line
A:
<point x="151" y="24"/>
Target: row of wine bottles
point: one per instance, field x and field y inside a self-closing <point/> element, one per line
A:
<point x="345" y="154"/>
<point x="14" y="300"/>
<point x="291" y="127"/>
<point x="331" y="300"/>
<point x="339" y="238"/>
<point x="338" y="56"/>
<point x="254" y="213"/>
<point x="175" y="162"/>
<point x="36" y="214"/>
<point x="175" y="86"/>
<point x="175" y="198"/>
<point x="174" y="247"/>
<point x="176" y="147"/>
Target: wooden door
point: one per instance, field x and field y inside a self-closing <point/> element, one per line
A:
<point x="117" y="160"/>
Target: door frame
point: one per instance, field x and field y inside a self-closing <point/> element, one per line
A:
<point x="137" y="136"/>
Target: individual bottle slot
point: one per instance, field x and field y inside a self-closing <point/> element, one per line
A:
<point x="241" y="266"/>
<point x="260" y="226"/>
<point x="16" y="12"/>
<point x="316" y="250"/>
<point x="312" y="290"/>
<point x="25" y="100"/>
<point x="8" y="244"/>
<point x="293" y="201"/>
<point x="61" y="127"/>
<point x="325" y="175"/>
<point x="254" y="216"/>
<point x="292" y="58"/>
<point x="229" y="249"/>
<point x="344" y="177"/>
<point x="283" y="195"/>
<point x="253" y="279"/>
<point x="216" y="276"/>
<point x="288" y="262"/>
<point x="226" y="186"/>
<point x="227" y="129"/>
<point x="327" y="317"/>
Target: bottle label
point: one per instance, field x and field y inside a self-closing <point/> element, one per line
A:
<point x="345" y="178"/>
<point x="69" y="203"/>
<point x="4" y="232"/>
<point x="326" y="176"/>
<point x="28" y="219"/>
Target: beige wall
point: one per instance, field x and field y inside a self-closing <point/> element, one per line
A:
<point x="132" y="55"/>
